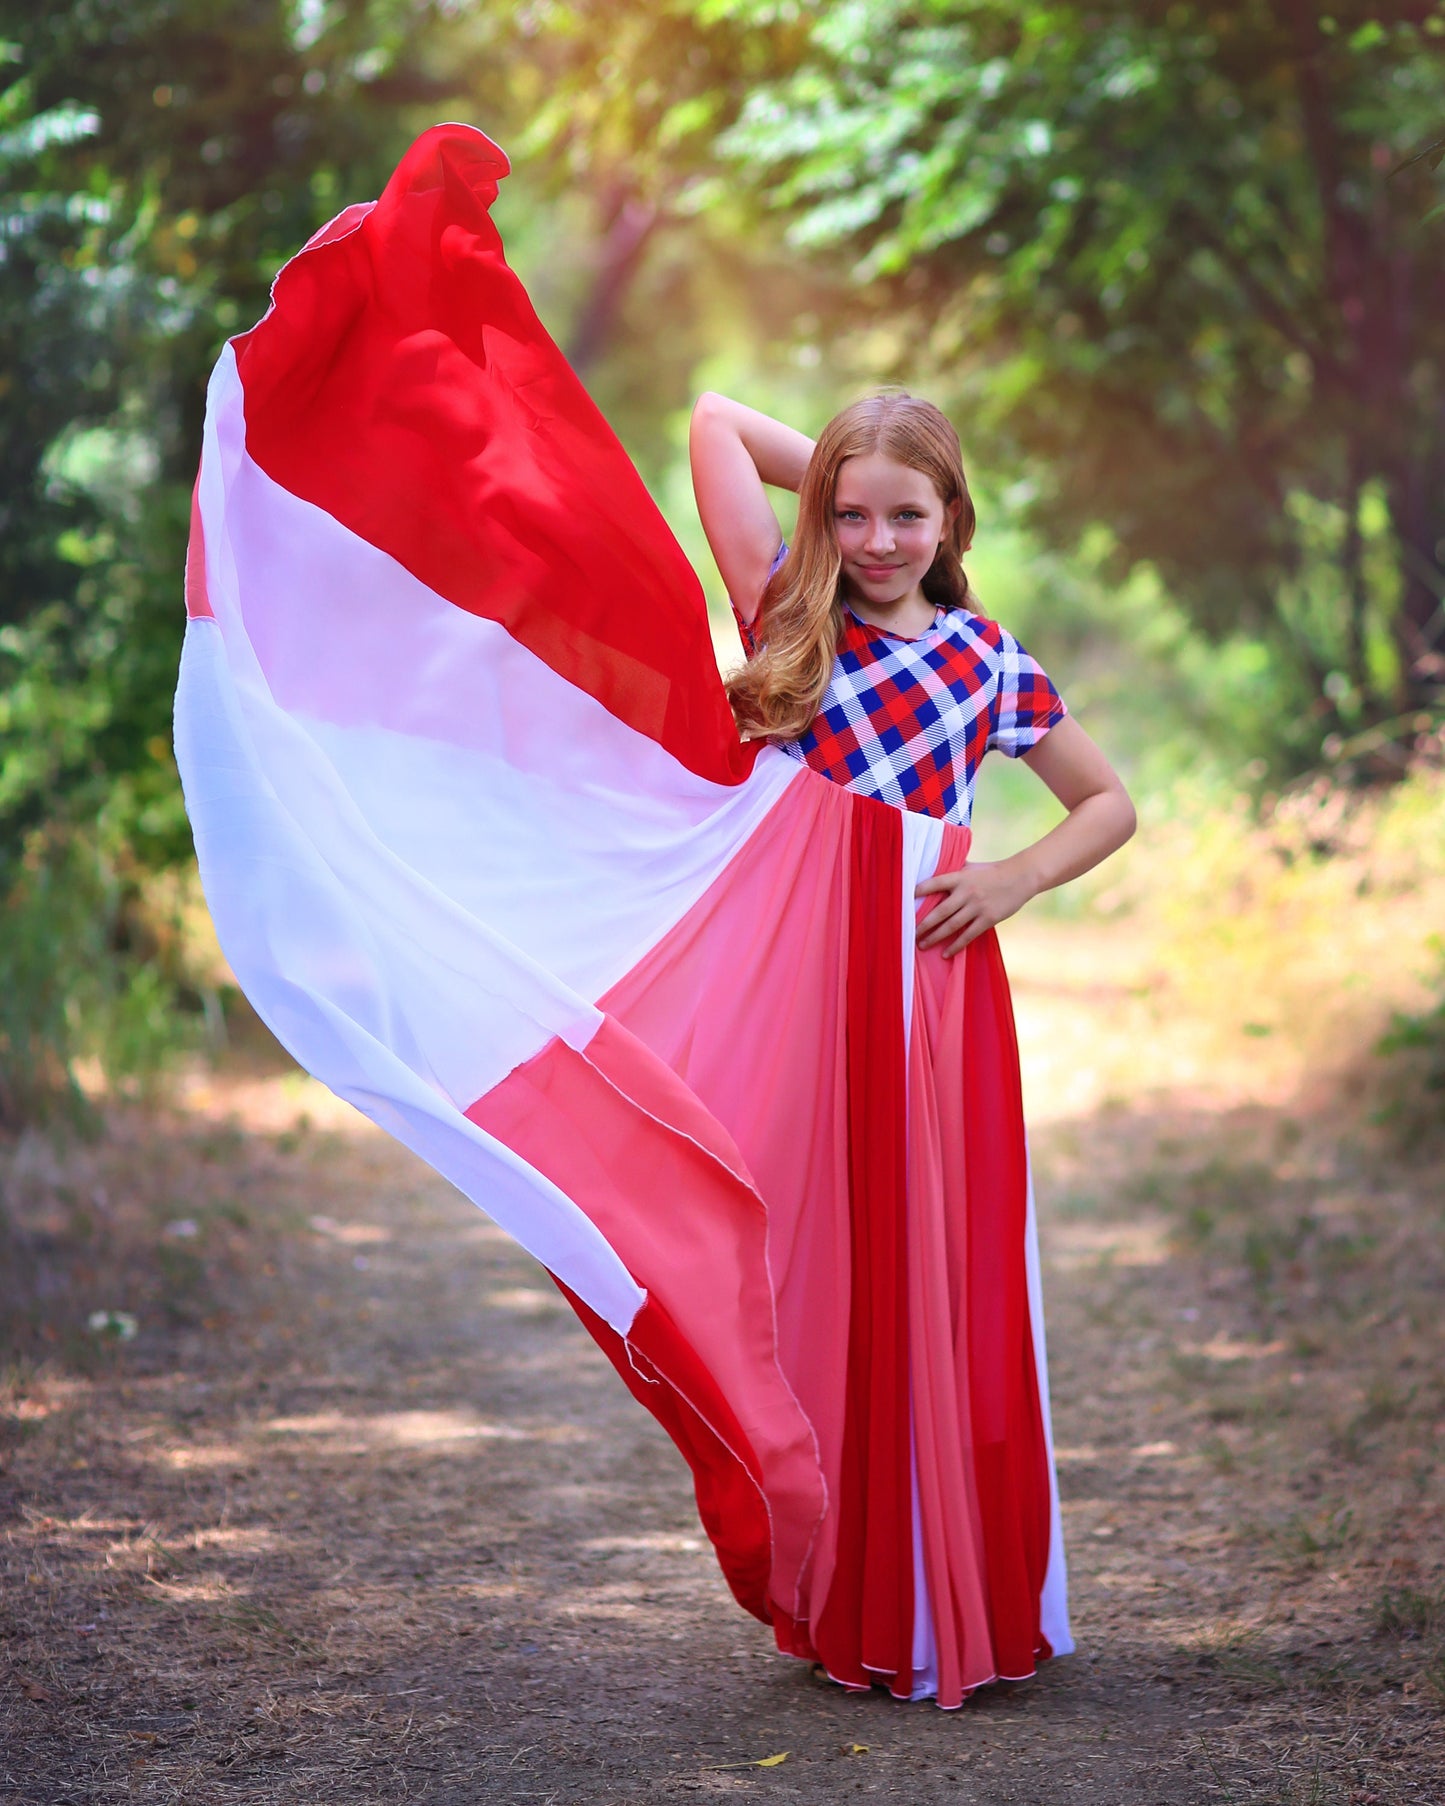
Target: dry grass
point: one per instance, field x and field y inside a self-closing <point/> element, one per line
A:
<point x="359" y="1515"/>
<point x="1259" y="960"/>
<point x="1256" y="1307"/>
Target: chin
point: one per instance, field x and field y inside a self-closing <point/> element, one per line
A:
<point x="892" y="591"/>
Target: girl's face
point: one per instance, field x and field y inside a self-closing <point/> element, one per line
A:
<point x="889" y="521"/>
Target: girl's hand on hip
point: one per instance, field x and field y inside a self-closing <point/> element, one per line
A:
<point x="1100" y="818"/>
<point x="972" y="900"/>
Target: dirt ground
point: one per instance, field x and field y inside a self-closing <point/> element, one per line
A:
<point x="359" y="1513"/>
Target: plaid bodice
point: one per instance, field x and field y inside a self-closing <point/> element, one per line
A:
<point x="909" y="720"/>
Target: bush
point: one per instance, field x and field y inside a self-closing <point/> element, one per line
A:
<point x="82" y="978"/>
<point x="1415" y="1041"/>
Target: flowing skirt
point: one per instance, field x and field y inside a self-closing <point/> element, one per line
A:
<point x="484" y="851"/>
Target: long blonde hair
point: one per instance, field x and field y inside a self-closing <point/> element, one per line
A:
<point x="778" y="692"/>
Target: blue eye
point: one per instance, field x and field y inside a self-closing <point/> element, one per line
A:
<point x="909" y="514"/>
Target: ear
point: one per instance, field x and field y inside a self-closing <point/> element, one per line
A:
<point x="951" y="512"/>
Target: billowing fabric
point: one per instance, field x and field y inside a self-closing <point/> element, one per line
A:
<point x="909" y="720"/>
<point x="484" y="850"/>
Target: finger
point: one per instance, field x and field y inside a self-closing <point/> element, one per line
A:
<point x="948" y="922"/>
<point x="966" y="939"/>
<point x="964" y="927"/>
<point x="943" y="912"/>
<point x="939" y="881"/>
<point x="940" y="907"/>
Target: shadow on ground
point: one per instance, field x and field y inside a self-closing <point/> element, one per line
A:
<point x="360" y="1514"/>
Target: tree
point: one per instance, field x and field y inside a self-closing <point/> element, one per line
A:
<point x="1177" y="266"/>
<point x="159" y="159"/>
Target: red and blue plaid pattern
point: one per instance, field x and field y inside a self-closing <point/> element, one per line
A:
<point x="909" y="721"/>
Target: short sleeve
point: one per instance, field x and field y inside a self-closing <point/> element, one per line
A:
<point x="748" y="630"/>
<point x="1025" y="704"/>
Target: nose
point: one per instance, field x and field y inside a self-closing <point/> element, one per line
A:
<point x="880" y="537"/>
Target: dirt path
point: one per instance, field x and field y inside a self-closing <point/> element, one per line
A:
<point x="361" y="1515"/>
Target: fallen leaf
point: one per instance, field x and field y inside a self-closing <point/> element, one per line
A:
<point x="713" y="1768"/>
<point x="33" y="1690"/>
<point x="856" y="1749"/>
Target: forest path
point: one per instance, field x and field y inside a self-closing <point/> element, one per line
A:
<point x="362" y="1515"/>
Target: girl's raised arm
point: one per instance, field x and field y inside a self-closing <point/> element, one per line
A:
<point x="735" y="451"/>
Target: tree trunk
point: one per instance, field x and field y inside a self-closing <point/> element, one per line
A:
<point x="629" y="226"/>
<point x="1357" y="599"/>
<point x="1420" y="623"/>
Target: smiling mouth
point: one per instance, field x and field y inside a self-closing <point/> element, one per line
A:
<point x="879" y="570"/>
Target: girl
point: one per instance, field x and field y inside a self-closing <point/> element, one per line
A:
<point x="865" y="659"/>
<point x="867" y="662"/>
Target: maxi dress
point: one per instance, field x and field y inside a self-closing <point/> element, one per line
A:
<point x="484" y="850"/>
<point x="907" y="719"/>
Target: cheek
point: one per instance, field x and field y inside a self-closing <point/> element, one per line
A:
<point x="921" y="541"/>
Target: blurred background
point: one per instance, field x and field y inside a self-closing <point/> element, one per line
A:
<point x="1176" y="268"/>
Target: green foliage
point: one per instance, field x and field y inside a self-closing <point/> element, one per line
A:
<point x="157" y="163"/>
<point x="1172" y="264"/>
<point x="1415" y="1042"/>
<point x="73" y="981"/>
<point x="1165" y="263"/>
<point x="160" y="161"/>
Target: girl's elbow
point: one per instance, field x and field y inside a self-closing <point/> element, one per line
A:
<point x="708" y="408"/>
<point x="709" y="428"/>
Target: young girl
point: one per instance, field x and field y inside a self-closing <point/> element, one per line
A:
<point x="867" y="662"/>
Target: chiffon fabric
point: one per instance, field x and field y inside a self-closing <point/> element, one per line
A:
<point x="484" y="850"/>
